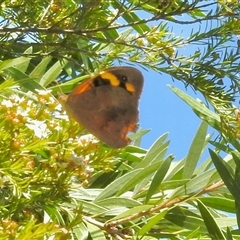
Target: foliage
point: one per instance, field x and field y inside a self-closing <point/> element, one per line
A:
<point x="58" y="182"/>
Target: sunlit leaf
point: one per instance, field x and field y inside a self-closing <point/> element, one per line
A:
<point x="213" y="229"/>
<point x="195" y="151"/>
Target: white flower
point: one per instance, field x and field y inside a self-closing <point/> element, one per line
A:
<point x="85" y="139"/>
<point x="58" y="107"/>
<point x="59" y="115"/>
<point x="39" y="128"/>
<point x="81" y="161"/>
<point x="43" y="92"/>
<point x="78" y="160"/>
<point x="7" y="103"/>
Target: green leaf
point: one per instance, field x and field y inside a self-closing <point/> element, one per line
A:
<point x="130" y="16"/>
<point x="14" y="63"/>
<point x="152" y="222"/>
<point x="226" y="174"/>
<point x="194" y="185"/>
<point x="199" y="108"/>
<point x="158" y="178"/>
<point x="24" y="66"/>
<point x="197" y="13"/>
<point x="194" y="233"/>
<point x="195" y="150"/>
<point x="28" y="83"/>
<point x="135" y="210"/>
<point x="85" y="194"/>
<point x="175" y="171"/>
<point x="95" y="232"/>
<point x="116" y="185"/>
<point x="173" y="184"/>
<point x="153" y="152"/>
<point x="137" y="137"/>
<point x="219" y="203"/>
<point x="52" y="73"/>
<point x="81" y="231"/>
<point x="141" y="175"/>
<point x="54" y="214"/>
<point x="206" y="165"/>
<point x="68" y="86"/>
<point x="224" y="222"/>
<point x="212" y="227"/>
<point x="229" y="235"/>
<point x="143" y="182"/>
<point x="91" y="208"/>
<point x="185" y="219"/>
<point x="118" y="202"/>
<point x="40" y="69"/>
<point x="236" y="158"/>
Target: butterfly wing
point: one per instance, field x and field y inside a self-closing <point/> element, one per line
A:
<point x="107" y="105"/>
<point x="107" y="112"/>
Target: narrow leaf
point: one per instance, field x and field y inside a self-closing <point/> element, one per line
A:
<point x="113" y="187"/>
<point x="194" y="185"/>
<point x="118" y="202"/>
<point x="158" y="178"/>
<point x="152" y="222"/>
<point x="154" y="150"/>
<point x="158" y="158"/>
<point x="212" y="227"/>
<point x="95" y="232"/>
<point x="52" y="74"/>
<point x="226" y="174"/>
<point x="134" y="180"/>
<point x="219" y="203"/>
<point x="195" y="150"/>
<point x="139" y="210"/>
<point x="40" y="69"/>
<point x="199" y="108"/>
<point x="23" y="79"/>
<point x="67" y="86"/>
<point x="13" y="62"/>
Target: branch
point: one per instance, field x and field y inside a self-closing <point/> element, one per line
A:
<point x="110" y="26"/>
<point x="166" y="204"/>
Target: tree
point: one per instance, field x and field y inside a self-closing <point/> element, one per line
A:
<point x="57" y="185"/>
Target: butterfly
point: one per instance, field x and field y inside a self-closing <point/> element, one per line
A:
<point x="107" y="104"/>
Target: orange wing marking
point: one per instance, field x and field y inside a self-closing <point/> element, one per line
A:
<point x="83" y="87"/>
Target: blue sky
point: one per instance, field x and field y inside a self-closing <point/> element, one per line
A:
<point x="162" y="111"/>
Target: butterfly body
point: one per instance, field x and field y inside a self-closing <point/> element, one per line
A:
<point x="107" y="105"/>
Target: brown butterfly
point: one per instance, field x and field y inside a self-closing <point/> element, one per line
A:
<point x="107" y="104"/>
